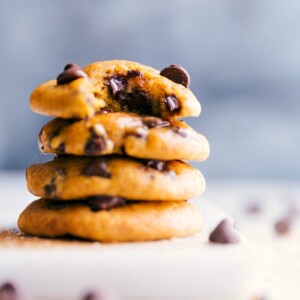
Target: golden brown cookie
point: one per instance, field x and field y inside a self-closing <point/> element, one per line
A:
<point x="119" y="85"/>
<point x="134" y="221"/>
<point x="129" y="133"/>
<point x="68" y="178"/>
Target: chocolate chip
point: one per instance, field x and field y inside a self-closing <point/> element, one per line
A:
<point x="177" y="74"/>
<point x="97" y="168"/>
<point x="180" y="131"/>
<point x="95" y="144"/>
<point x="134" y="73"/>
<point x="8" y="291"/>
<point x="70" y="73"/>
<point x="49" y="189"/>
<point x="105" y="202"/>
<point x="116" y="85"/>
<point x="152" y="122"/>
<point x="172" y="103"/>
<point x="283" y="226"/>
<point x="224" y="233"/>
<point x="138" y="102"/>
<point x="156" y="164"/>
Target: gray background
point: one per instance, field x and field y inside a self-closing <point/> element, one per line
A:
<point x="243" y="58"/>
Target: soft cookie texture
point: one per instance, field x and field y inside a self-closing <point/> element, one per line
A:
<point x="137" y="221"/>
<point x="119" y="85"/>
<point x="68" y="178"/>
<point x="129" y="133"/>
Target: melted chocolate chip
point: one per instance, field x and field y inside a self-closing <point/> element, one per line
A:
<point x="71" y="72"/>
<point x="224" y="233"/>
<point x="8" y="291"/>
<point x="105" y="202"/>
<point x="177" y="74"/>
<point x="172" y="103"/>
<point x="97" y="168"/>
<point x="116" y="85"/>
<point x="138" y="102"/>
<point x="49" y="189"/>
<point x="94" y="144"/>
<point x="134" y="73"/>
<point x="152" y="122"/>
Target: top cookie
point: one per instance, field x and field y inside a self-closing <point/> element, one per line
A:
<point x="119" y="85"/>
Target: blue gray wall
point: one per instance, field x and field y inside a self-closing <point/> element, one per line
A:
<point x="243" y="58"/>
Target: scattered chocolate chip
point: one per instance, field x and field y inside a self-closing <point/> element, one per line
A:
<point x="172" y="103"/>
<point x="105" y="202"/>
<point x="97" y="168"/>
<point x="180" y="131"/>
<point x="61" y="148"/>
<point x="70" y="73"/>
<point x="116" y="85"/>
<point x="49" y="189"/>
<point x="283" y="226"/>
<point x="8" y="291"/>
<point x="177" y="74"/>
<point x="153" y="122"/>
<point x="156" y="164"/>
<point x="224" y="233"/>
<point x="95" y="144"/>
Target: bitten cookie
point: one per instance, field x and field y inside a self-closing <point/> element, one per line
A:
<point x="133" y="221"/>
<point x="119" y="85"/>
<point x="129" y="133"/>
<point x="69" y="178"/>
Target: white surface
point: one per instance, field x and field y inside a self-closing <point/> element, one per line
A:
<point x="187" y="268"/>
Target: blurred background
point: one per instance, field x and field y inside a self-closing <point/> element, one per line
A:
<point x="243" y="58"/>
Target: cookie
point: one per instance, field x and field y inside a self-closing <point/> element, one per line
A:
<point x="134" y="221"/>
<point x="128" y="133"/>
<point x="72" y="177"/>
<point x="119" y="85"/>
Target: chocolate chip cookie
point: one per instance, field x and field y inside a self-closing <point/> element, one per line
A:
<point x="119" y="85"/>
<point x="130" y="221"/>
<point x="68" y="178"/>
<point x="128" y="133"/>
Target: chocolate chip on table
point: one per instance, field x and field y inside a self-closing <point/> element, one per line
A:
<point x="92" y="296"/>
<point x="172" y="103"/>
<point x="71" y="72"/>
<point x="253" y="208"/>
<point x="94" y="144"/>
<point x="8" y="291"/>
<point x="49" y="189"/>
<point x="153" y="122"/>
<point x="97" y="168"/>
<point x="224" y="233"/>
<point x="177" y="74"/>
<point x="105" y="202"/>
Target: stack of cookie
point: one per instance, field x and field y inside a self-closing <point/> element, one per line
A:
<point x="118" y="173"/>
